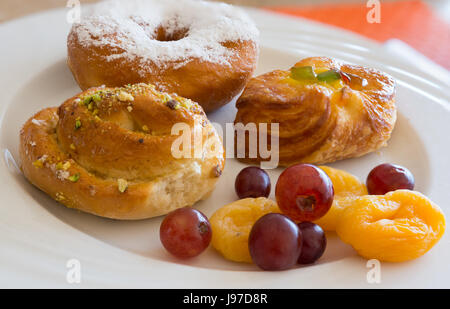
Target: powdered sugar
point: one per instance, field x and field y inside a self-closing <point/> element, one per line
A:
<point x="130" y="29"/>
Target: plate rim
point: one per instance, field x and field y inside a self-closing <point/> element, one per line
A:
<point x="4" y="173"/>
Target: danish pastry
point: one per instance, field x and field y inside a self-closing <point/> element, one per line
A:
<point x="326" y="110"/>
<point x="109" y="152"/>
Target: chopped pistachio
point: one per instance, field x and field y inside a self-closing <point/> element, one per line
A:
<point x="72" y="146"/>
<point x="90" y="106"/>
<point x="165" y="97"/>
<point x="329" y="76"/>
<point x="172" y="104"/>
<point x="303" y="73"/>
<point x="95" y="112"/>
<point x="66" y="166"/>
<point x="186" y="104"/>
<point x="97" y="118"/>
<point x="60" y="196"/>
<point x="122" y="184"/>
<point x="74" y="177"/>
<point x="38" y="164"/>
<point x="87" y="100"/>
<point x="77" y="123"/>
<point x="145" y="128"/>
<point x="63" y="166"/>
<point x="96" y="97"/>
<point x="125" y="96"/>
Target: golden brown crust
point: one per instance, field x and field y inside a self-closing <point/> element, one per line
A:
<point x="112" y="157"/>
<point x="210" y="84"/>
<point x="320" y="123"/>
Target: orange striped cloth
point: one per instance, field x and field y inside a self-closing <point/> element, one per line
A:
<point x="410" y="21"/>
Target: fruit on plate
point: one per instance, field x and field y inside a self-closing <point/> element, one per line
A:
<point x="398" y="226"/>
<point x="389" y="177"/>
<point x="252" y="182"/>
<point x="232" y="223"/>
<point x="314" y="242"/>
<point x="346" y="188"/>
<point x="185" y="232"/>
<point x="304" y="192"/>
<point x="275" y="242"/>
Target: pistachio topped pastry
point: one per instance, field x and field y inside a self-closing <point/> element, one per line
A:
<point x="109" y="152"/>
<point x="326" y="110"/>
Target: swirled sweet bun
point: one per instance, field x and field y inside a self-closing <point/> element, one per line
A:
<point x="200" y="50"/>
<point x="327" y="110"/>
<point x="111" y="152"/>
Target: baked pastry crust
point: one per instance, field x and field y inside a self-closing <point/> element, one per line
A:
<point x="108" y="151"/>
<point x="321" y="122"/>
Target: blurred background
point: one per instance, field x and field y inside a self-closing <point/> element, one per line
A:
<point x="419" y="28"/>
<point x="10" y="9"/>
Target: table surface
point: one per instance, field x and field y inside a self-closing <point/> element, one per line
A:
<point x="423" y="24"/>
<point x="10" y="9"/>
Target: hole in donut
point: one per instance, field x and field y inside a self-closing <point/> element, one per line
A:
<point x="164" y="36"/>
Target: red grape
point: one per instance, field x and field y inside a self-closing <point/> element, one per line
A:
<point x="304" y="192"/>
<point x="275" y="242"/>
<point x="185" y="232"/>
<point x="252" y="182"/>
<point x="314" y="242"/>
<point x="389" y="177"/>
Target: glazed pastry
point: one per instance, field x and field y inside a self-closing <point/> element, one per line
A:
<point x="327" y="110"/>
<point x="203" y="51"/>
<point x="109" y="152"/>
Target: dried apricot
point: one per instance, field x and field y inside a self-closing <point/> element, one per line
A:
<point x="346" y="188"/>
<point x="232" y="223"/>
<point x="398" y="226"/>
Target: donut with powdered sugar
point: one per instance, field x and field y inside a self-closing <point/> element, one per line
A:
<point x="201" y="50"/>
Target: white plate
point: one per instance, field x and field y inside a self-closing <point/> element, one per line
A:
<point x="38" y="236"/>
